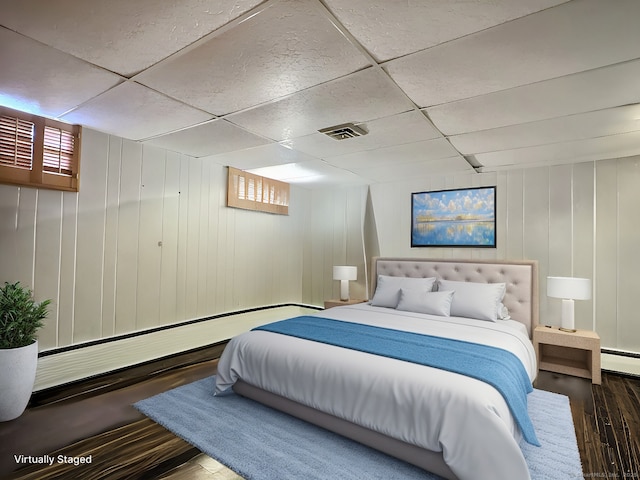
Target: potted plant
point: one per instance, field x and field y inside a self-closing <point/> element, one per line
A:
<point x="20" y="318"/>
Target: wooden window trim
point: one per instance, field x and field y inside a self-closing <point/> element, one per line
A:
<point x="252" y="192"/>
<point x="37" y="176"/>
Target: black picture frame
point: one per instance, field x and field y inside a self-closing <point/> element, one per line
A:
<point x="462" y="217"/>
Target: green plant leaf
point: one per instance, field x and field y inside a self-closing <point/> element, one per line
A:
<point x="20" y="316"/>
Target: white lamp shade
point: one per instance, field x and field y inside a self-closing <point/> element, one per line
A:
<point x="345" y="272"/>
<point x="569" y="288"/>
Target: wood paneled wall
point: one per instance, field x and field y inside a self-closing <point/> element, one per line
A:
<point x="617" y="261"/>
<point x="146" y="242"/>
<point x="149" y="242"/>
<point x="577" y="220"/>
<point x="334" y="236"/>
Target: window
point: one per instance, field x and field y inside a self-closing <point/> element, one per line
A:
<point x="253" y="192"/>
<point x="38" y="152"/>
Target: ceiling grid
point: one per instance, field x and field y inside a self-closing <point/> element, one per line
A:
<point x="440" y="86"/>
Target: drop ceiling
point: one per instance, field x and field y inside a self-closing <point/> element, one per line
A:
<point x="440" y="86"/>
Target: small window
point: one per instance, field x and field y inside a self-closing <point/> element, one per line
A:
<point x="38" y="152"/>
<point x="16" y="142"/>
<point x="253" y="192"/>
<point x="59" y="154"/>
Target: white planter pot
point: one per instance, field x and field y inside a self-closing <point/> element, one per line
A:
<point x="17" y="376"/>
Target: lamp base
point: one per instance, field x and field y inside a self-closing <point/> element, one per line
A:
<point x="344" y="290"/>
<point x="568" y="330"/>
<point x="568" y="322"/>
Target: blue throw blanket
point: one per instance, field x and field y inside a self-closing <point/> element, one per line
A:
<point x="499" y="368"/>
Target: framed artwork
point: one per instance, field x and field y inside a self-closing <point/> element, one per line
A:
<point x="464" y="217"/>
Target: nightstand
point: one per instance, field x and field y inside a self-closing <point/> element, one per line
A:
<point x="339" y="303"/>
<point x="572" y="353"/>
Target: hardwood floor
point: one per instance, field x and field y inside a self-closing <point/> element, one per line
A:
<point x="617" y="422"/>
<point x="606" y="419"/>
<point x="94" y="420"/>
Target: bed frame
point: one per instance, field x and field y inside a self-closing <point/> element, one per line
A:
<point x="521" y="278"/>
<point x="521" y="298"/>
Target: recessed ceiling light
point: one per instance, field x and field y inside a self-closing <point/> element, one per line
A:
<point x="287" y="172"/>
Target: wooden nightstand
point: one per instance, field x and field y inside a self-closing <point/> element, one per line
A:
<point x="572" y="353"/>
<point x="339" y="303"/>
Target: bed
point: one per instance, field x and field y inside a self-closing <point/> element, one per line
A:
<point x="456" y="426"/>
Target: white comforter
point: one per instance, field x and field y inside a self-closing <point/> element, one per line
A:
<point x="464" y="418"/>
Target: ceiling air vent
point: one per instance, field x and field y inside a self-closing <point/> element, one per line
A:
<point x="344" y="131"/>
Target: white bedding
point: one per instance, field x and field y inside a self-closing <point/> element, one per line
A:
<point x="464" y="418"/>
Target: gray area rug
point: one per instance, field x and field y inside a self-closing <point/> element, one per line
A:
<point x="260" y="443"/>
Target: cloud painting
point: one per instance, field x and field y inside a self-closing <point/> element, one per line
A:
<point x="462" y="218"/>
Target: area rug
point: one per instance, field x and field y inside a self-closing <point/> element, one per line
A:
<point x="259" y="443"/>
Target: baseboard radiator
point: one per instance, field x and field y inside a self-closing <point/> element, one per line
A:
<point x="77" y="362"/>
<point x="620" y="361"/>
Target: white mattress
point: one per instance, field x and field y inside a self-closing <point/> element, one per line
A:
<point x="466" y="419"/>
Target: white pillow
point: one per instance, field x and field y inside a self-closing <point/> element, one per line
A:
<point x="503" y="312"/>
<point x="387" y="292"/>
<point x="420" y="301"/>
<point x="474" y="300"/>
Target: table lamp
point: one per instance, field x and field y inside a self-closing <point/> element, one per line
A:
<point x="568" y="289"/>
<point x="344" y="273"/>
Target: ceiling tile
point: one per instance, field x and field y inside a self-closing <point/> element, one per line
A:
<point x="123" y="36"/>
<point x="580" y="126"/>
<point x="67" y="82"/>
<point x="414" y="170"/>
<point x="570" y="38"/>
<point x="405" y="127"/>
<point x="613" y="146"/>
<point x="285" y="48"/>
<point x="582" y="92"/>
<point x="511" y="83"/>
<point x="135" y="112"/>
<point x="210" y="138"/>
<point x="392" y="29"/>
<point x="261" y="156"/>
<point x="359" y="97"/>
<point x="395" y="155"/>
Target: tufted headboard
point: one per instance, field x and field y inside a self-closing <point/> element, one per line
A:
<point x="521" y="278"/>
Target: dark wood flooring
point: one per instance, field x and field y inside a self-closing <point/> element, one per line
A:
<point x="606" y="419"/>
<point x="95" y="418"/>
